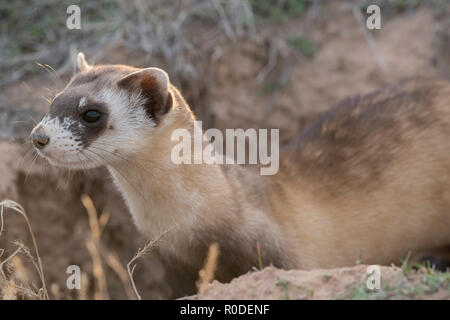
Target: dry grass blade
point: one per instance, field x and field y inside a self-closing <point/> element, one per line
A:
<point x="17" y="286"/>
<point x="19" y="209"/>
<point x="98" y="253"/>
<point x="93" y="246"/>
<point x="101" y="289"/>
<point x="207" y="273"/>
<point x="16" y="252"/>
<point x="96" y="224"/>
<point x="113" y="262"/>
<point x="83" y="292"/>
<point x="370" y="40"/>
<point x="258" y="252"/>
<point x="131" y="265"/>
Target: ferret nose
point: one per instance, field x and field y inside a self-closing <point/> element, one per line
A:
<point x="39" y="139"/>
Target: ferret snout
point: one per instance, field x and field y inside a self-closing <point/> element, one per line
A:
<point x="39" y="138"/>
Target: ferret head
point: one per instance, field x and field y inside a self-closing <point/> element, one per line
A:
<point x="104" y="114"/>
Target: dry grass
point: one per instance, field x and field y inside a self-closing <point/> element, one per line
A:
<point x="100" y="254"/>
<point x="207" y="273"/>
<point x="159" y="28"/>
<point x="15" y="280"/>
<point x="9" y="286"/>
<point x="93" y="245"/>
<point x="131" y="265"/>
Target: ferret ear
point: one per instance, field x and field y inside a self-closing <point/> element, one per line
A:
<point x="82" y="65"/>
<point x="153" y="84"/>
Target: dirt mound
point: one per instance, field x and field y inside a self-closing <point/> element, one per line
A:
<point x="344" y="283"/>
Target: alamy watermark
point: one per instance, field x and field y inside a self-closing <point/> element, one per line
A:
<point x="193" y="149"/>
<point x="373" y="281"/>
<point x="74" y="280"/>
<point x="73" y="21"/>
<point x="374" y="20"/>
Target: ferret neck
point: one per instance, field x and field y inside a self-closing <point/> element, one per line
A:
<point x="162" y="194"/>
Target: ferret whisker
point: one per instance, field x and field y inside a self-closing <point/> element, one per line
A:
<point x="108" y="163"/>
<point x="21" y="122"/>
<point x="115" y="151"/>
<point x="59" y="182"/>
<point x="59" y="174"/>
<point x="118" y="152"/>
<point x="34" y="121"/>
<point x="68" y="177"/>
<point x="50" y="70"/>
<point x="89" y="159"/>
<point x="31" y="166"/>
<point x="27" y="153"/>
<point x="135" y="164"/>
<point x="83" y="168"/>
<point x="44" y="164"/>
<point x="118" y="171"/>
<point x="27" y="142"/>
<point x="110" y="152"/>
<point x="54" y="72"/>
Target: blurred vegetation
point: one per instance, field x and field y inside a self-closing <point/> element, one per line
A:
<point x="278" y="10"/>
<point x="32" y="30"/>
<point x="391" y="7"/>
<point x="35" y="30"/>
<point x="303" y="44"/>
<point x="415" y="284"/>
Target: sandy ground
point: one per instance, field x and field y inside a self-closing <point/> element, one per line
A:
<point x="236" y="97"/>
<point x="343" y="283"/>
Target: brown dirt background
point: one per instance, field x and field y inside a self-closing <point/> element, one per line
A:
<point x="412" y="43"/>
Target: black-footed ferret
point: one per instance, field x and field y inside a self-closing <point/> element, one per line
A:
<point x="368" y="180"/>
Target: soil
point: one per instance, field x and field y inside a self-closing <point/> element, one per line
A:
<point x="295" y="90"/>
<point x="343" y="283"/>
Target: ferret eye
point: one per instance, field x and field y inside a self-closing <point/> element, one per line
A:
<point x="91" y="116"/>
